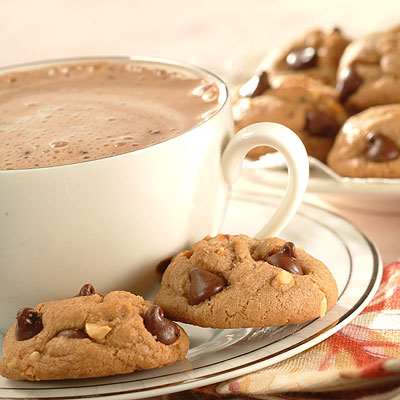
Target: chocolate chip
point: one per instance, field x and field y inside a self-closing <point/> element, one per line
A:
<point x="29" y="324"/>
<point x="203" y="285"/>
<point x="348" y="83"/>
<point x="336" y="29"/>
<point x="381" y="148"/>
<point x="319" y="123"/>
<point x="163" y="329"/>
<point x="73" y="334"/>
<point x="302" y="59"/>
<point x="255" y="86"/>
<point x="86" y="290"/>
<point x="286" y="259"/>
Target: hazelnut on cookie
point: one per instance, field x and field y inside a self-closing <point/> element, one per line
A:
<point x="234" y="281"/>
<point x="90" y="335"/>
<point x="303" y="104"/>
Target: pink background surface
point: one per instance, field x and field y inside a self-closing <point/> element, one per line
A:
<point x="212" y="33"/>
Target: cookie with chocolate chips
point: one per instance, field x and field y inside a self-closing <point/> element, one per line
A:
<point x="315" y="54"/>
<point x="368" y="145"/>
<point x="369" y="71"/>
<point x="304" y="105"/>
<point x="238" y="282"/>
<point x="90" y="335"/>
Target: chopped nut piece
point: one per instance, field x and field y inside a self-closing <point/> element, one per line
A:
<point x="324" y="306"/>
<point x="284" y="278"/>
<point x="188" y="253"/>
<point x="97" y="332"/>
<point x="221" y="251"/>
<point x="35" y="356"/>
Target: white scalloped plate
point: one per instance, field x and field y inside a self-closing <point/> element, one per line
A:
<point x="217" y="355"/>
<point x="374" y="195"/>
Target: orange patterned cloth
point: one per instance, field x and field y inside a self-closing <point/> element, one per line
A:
<point x="361" y="361"/>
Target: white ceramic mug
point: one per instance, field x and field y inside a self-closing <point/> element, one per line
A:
<point x="110" y="221"/>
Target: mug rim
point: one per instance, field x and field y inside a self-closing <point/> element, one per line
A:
<point x="202" y="72"/>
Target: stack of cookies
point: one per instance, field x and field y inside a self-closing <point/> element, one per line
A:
<point x="341" y="97"/>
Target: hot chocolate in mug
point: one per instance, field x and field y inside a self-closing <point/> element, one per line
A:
<point x="110" y="165"/>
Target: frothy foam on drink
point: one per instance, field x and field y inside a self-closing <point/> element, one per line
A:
<point x="85" y="111"/>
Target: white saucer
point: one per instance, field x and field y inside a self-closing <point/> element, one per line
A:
<point x="217" y="355"/>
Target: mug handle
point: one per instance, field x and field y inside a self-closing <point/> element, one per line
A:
<point x="291" y="147"/>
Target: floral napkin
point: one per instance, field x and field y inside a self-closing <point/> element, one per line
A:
<point x="361" y="361"/>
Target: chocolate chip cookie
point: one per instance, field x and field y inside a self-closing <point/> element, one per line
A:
<point x="369" y="71"/>
<point x="368" y="144"/>
<point x="237" y="282"/>
<point x="90" y="336"/>
<point x="303" y="104"/>
<point x="315" y="54"/>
